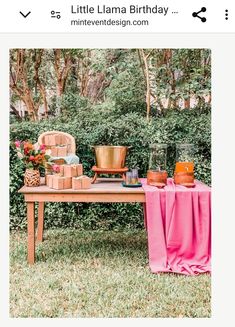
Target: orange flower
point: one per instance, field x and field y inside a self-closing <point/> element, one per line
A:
<point x="28" y="145"/>
<point x="39" y="158"/>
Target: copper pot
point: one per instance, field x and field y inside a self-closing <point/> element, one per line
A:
<point x="184" y="178"/>
<point x="110" y="156"/>
<point x="155" y="176"/>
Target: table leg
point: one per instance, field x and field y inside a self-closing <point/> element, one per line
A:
<point x="31" y="232"/>
<point x="40" y="221"/>
<point x="145" y="215"/>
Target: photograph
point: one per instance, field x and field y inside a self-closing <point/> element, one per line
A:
<point x="110" y="182"/>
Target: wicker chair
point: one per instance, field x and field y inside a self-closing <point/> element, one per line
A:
<point x="70" y="142"/>
<point x="69" y="138"/>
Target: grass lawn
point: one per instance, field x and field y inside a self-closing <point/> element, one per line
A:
<point x="99" y="274"/>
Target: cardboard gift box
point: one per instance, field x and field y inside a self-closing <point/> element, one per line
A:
<point x="49" y="180"/>
<point x="86" y="182"/>
<point x="59" y="182"/>
<point x="73" y="170"/>
<point x="47" y="140"/>
<point x="54" y="151"/>
<point x="67" y="182"/>
<point x="70" y="170"/>
<point x="77" y="183"/>
<point x="62" y="170"/>
<point x="79" y="169"/>
<point x="63" y="139"/>
<point x="62" y="151"/>
<point x="52" y="140"/>
<point x="81" y="182"/>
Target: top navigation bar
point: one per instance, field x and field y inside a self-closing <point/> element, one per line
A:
<point x="122" y="16"/>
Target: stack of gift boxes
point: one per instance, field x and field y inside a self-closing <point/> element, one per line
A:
<point x="57" y="143"/>
<point x="70" y="176"/>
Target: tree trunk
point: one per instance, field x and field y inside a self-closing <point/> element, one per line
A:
<point x="16" y="112"/>
<point x="39" y="84"/>
<point x="187" y="103"/>
<point x="62" y="65"/>
<point x="19" y="75"/>
<point x="147" y="78"/>
<point x="58" y="100"/>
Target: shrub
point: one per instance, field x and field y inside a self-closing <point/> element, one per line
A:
<point x="100" y="124"/>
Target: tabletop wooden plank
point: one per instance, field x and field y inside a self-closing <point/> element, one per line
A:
<point x="100" y="187"/>
<point x="112" y="186"/>
<point x="86" y="197"/>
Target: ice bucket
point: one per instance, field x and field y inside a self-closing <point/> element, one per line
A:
<point x="110" y="156"/>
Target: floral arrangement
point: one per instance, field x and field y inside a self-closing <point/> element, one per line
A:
<point x="56" y="168"/>
<point x="34" y="156"/>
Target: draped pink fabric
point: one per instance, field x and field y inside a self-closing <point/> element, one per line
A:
<point x="178" y="221"/>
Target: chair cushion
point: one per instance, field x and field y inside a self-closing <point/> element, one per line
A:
<point x="70" y="159"/>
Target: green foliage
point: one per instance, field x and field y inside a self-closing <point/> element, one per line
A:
<point x="127" y="89"/>
<point x="114" y="76"/>
<point x="71" y="103"/>
<point x="184" y="73"/>
<point x="100" y="124"/>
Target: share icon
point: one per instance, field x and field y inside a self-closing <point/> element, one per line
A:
<point x="196" y="14"/>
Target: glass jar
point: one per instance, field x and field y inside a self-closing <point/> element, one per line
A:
<point x="128" y="177"/>
<point x="134" y="176"/>
<point x="157" y="164"/>
<point x="158" y="154"/>
<point x="184" y="167"/>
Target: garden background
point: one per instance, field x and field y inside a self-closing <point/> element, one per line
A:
<point x="93" y="261"/>
<point x="109" y="96"/>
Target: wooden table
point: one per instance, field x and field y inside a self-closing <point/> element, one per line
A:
<point x="105" y="192"/>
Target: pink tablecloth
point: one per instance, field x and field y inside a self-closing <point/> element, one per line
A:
<point x="178" y="223"/>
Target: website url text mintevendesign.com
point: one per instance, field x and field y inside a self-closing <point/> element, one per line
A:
<point x="109" y="22"/>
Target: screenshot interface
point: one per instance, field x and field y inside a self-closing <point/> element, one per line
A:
<point x="117" y="154"/>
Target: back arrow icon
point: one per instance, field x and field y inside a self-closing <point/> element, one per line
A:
<point x="25" y="15"/>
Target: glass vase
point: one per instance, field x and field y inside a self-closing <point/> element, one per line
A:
<point x="184" y="166"/>
<point x="157" y="173"/>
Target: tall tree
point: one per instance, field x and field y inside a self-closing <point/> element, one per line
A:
<point x="25" y="80"/>
<point x="19" y="81"/>
<point x="37" y="64"/>
<point x="62" y="64"/>
<point x="146" y="70"/>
